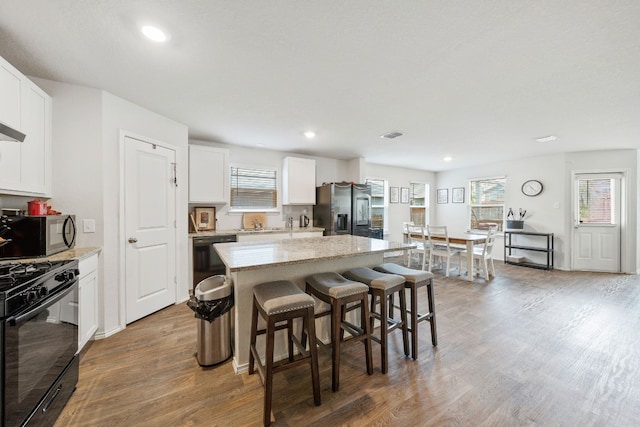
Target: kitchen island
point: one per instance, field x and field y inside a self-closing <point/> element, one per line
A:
<point x="251" y="263"/>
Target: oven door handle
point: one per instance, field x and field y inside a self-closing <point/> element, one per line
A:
<point x="42" y="306"/>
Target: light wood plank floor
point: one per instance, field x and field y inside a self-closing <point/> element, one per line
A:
<point x="529" y="347"/>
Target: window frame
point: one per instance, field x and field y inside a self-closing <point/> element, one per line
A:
<point x="425" y="207"/>
<point x="264" y="168"/>
<point x="385" y="203"/>
<point x="501" y="224"/>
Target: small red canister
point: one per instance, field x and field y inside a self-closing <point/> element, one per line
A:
<point x="37" y="207"/>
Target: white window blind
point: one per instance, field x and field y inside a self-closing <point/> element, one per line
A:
<point x="597" y="201"/>
<point x="486" y="203"/>
<point x="253" y="188"/>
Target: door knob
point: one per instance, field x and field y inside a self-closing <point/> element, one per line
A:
<point x="132" y="240"/>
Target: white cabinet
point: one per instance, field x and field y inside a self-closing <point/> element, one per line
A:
<point x="208" y="174"/>
<point x="298" y="181"/>
<point x="25" y="167"/>
<point x="10" y="89"/>
<point x="88" y="300"/>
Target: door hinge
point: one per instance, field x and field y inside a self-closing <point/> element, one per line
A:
<point x="175" y="174"/>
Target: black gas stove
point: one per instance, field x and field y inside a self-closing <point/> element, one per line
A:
<point x="25" y="284"/>
<point x="38" y="340"/>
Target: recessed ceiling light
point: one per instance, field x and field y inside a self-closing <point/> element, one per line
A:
<point x="447" y="158"/>
<point x="155" y="34"/>
<point x="310" y="134"/>
<point x="547" y="138"/>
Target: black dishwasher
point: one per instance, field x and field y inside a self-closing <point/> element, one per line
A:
<point x="206" y="261"/>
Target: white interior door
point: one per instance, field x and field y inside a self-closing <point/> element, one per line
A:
<point x="596" y="232"/>
<point x="150" y="198"/>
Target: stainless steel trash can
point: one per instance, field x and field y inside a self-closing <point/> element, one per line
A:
<point x="214" y="337"/>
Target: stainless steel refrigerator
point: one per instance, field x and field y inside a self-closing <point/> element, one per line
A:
<point x="343" y="208"/>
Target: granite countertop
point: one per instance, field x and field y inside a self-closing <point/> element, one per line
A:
<point x="252" y="255"/>
<point x="75" y="253"/>
<point x="267" y="230"/>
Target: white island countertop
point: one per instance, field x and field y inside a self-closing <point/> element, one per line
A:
<point x="254" y="255"/>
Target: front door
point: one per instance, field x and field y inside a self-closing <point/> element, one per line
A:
<point x="596" y="233"/>
<point x="150" y="210"/>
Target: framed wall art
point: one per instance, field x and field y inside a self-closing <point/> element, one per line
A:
<point x="205" y="218"/>
<point x="442" y="195"/>
<point x="394" y="195"/>
<point x="457" y="195"/>
<point x="404" y="195"/>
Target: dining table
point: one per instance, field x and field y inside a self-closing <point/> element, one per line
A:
<point x="468" y="240"/>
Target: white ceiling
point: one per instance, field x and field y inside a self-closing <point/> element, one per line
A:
<point x="476" y="80"/>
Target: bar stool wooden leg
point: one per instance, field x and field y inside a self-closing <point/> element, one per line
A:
<point x="310" y="326"/>
<point x="432" y="313"/>
<point x="268" y="377"/>
<point x="336" y="334"/>
<point x="254" y="333"/>
<point x="365" y="317"/>
<point x="403" y="319"/>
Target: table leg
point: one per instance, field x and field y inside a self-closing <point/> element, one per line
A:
<point x="470" y="272"/>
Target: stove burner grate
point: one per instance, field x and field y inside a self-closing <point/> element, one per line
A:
<point x="10" y="274"/>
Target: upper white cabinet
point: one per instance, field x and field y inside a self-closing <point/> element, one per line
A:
<point x="208" y="174"/>
<point x="298" y="181"/>
<point x="25" y="167"/>
<point x="10" y="88"/>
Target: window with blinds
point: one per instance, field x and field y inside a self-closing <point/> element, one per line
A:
<point x="253" y="188"/>
<point x="486" y="203"/>
<point x="418" y="203"/>
<point x="597" y="201"/>
<point x="377" y="202"/>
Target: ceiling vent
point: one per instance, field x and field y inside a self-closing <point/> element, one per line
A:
<point x="392" y="135"/>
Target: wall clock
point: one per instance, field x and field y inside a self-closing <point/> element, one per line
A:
<point x="532" y="188"/>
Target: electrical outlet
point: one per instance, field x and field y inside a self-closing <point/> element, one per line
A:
<point x="89" y="225"/>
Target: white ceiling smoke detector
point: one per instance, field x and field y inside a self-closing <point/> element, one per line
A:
<point x="391" y="135"/>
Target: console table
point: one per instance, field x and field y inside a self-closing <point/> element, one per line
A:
<point x="510" y="245"/>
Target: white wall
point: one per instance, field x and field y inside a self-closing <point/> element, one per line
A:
<point x="400" y="177"/>
<point x="551" y="211"/>
<point x="119" y="114"/>
<point x="86" y="177"/>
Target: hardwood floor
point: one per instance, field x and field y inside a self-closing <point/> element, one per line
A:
<point x="529" y="347"/>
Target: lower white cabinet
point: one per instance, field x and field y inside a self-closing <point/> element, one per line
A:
<point x="88" y="300"/>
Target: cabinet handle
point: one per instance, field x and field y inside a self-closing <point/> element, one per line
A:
<point x="132" y="240"/>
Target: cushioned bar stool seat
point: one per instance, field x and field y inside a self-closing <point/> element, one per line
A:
<point x="279" y="302"/>
<point x="415" y="279"/>
<point x="339" y="292"/>
<point x="381" y="287"/>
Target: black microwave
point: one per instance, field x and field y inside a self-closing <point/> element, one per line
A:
<point x="37" y="235"/>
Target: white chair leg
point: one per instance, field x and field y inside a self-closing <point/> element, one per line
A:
<point x="448" y="266"/>
<point x="486" y="269"/>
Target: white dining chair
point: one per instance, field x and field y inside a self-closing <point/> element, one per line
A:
<point x="483" y="254"/>
<point x="441" y="247"/>
<point x="417" y="236"/>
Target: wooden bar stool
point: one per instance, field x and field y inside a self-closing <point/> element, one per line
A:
<point x="415" y="279"/>
<point x="381" y="287"/>
<point x="278" y="302"/>
<point x="338" y="292"/>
